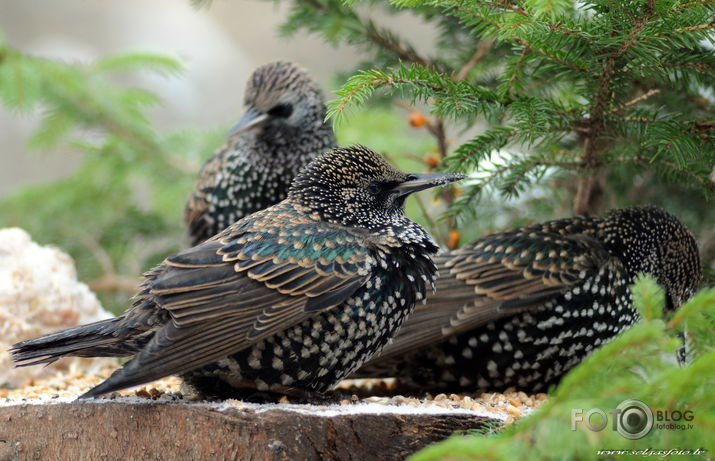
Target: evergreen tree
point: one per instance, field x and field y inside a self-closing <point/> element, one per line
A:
<point x="609" y="97"/>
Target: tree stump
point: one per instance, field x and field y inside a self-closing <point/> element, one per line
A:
<point x="133" y="429"/>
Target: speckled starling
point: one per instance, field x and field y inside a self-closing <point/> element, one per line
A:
<point x="282" y="130"/>
<point x="296" y="296"/>
<point x="522" y="307"/>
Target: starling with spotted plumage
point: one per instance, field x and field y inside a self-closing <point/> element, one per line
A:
<point x="294" y="297"/>
<point x="282" y="130"/>
<point x="522" y="307"/>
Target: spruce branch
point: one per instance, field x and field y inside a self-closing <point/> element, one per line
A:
<point x="474" y="191"/>
<point x="450" y="97"/>
<point x="482" y="50"/>
<point x="685" y="6"/>
<point x="515" y="70"/>
<point x="458" y="6"/>
<point x="511" y="176"/>
<point x="705" y="182"/>
<point x="437" y="127"/>
<point x="704" y="67"/>
<point x="404" y="53"/>
<point x="698" y="27"/>
<point x="589" y="191"/>
<point x="549" y="55"/>
<point x="701" y="126"/>
<point x="609" y="77"/>
<point x="552" y="56"/>
<point x="636" y="100"/>
<point x="379" y="37"/>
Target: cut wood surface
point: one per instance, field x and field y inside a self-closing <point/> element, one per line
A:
<point x="134" y="429"/>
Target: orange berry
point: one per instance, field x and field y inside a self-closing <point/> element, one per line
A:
<point x="453" y="239"/>
<point x="417" y="120"/>
<point x="432" y="160"/>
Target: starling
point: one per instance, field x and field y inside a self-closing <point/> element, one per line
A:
<point x="522" y="307"/>
<point x="282" y="130"/>
<point x="294" y="297"/>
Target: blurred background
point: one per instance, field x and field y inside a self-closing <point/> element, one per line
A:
<point x="113" y="219"/>
<point x="218" y="46"/>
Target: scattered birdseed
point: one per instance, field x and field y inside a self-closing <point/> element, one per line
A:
<point x="508" y="406"/>
<point x="73" y="384"/>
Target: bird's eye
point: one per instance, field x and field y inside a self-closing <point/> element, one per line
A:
<point x="374" y="188"/>
<point x="281" y="110"/>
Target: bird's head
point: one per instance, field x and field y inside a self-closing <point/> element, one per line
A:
<point x="357" y="187"/>
<point x="281" y="96"/>
<point x="653" y="241"/>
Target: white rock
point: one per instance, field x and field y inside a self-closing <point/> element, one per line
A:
<point x="39" y="294"/>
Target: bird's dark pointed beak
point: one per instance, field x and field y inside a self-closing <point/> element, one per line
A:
<point x="418" y="182"/>
<point x="251" y="119"/>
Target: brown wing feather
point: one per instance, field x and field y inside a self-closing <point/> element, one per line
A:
<point x="219" y="306"/>
<point x="196" y="218"/>
<point x="477" y="286"/>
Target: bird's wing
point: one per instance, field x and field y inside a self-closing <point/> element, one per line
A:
<point x="497" y="276"/>
<point x="262" y="275"/>
<point x="199" y="223"/>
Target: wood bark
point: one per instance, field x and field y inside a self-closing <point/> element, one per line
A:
<point x="161" y="431"/>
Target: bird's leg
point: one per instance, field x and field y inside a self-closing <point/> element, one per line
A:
<point x="195" y="387"/>
<point x="298" y="395"/>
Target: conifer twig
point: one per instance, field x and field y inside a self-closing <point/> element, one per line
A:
<point x="482" y="50"/>
<point x="512" y="77"/>
<point x="670" y="165"/>
<point x="709" y="25"/>
<point x="590" y="186"/>
<point x="693" y="4"/>
<point x="404" y="53"/>
<point x="407" y="54"/>
<point x="636" y="100"/>
<point x="437" y="127"/>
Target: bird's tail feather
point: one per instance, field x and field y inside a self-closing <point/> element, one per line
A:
<point x="96" y="339"/>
